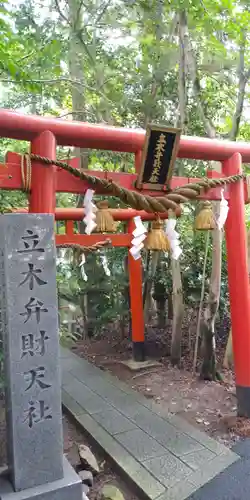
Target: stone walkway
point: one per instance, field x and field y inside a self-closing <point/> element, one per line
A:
<point x="163" y="456"/>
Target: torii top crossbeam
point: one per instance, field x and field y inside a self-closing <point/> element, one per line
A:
<point x="87" y="135"/>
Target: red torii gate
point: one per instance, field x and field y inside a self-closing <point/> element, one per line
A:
<point x="45" y="133"/>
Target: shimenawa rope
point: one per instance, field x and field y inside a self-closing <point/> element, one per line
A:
<point x="138" y="201"/>
<point x="26" y="172"/>
<point x="83" y="249"/>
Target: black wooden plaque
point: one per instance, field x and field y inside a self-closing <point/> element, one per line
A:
<point x="159" y="155"/>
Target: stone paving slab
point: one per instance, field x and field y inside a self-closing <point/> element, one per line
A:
<point x="159" y="453"/>
<point x="113" y="422"/>
<point x="140" y="445"/>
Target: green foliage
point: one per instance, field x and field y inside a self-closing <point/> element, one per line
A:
<point x="66" y="339"/>
<point x="107" y="298"/>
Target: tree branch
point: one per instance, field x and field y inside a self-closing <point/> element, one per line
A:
<point x="60" y="12"/>
<point x="242" y="82"/>
<point x="80" y="8"/>
<point x="59" y="80"/>
<point x="26" y="56"/>
<point x="209" y="127"/>
<point x="49" y="82"/>
<point x="79" y="36"/>
<point x="190" y="59"/>
<point x="182" y="74"/>
<point x="103" y="11"/>
<point x="80" y="113"/>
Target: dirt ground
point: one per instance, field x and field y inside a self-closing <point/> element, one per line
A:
<point x="210" y="406"/>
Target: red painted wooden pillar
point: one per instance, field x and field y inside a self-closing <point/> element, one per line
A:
<point x="136" y="304"/>
<point x="43" y="182"/>
<point x="238" y="282"/>
<point x="138" y="157"/>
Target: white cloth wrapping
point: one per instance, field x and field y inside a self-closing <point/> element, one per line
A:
<point x="173" y="237"/>
<point x="89" y="211"/>
<point x="224" y="208"/>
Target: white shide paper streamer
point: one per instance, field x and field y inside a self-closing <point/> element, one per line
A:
<point x="139" y="235"/>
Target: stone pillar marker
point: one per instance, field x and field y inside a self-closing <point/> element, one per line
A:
<point x="29" y="324"/>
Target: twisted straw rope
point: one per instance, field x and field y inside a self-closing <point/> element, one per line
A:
<point x="138" y="201"/>
<point x="83" y="249"/>
<point x="26" y="172"/>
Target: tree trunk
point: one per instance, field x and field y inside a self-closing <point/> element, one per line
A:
<point x="170" y="306"/>
<point x="177" y="295"/>
<point x="228" y="357"/>
<point x="148" y="303"/>
<point x="76" y="70"/>
<point x="201" y="303"/>
<point x="208" y="369"/>
<point x="209" y="363"/>
<point x="178" y="313"/>
<point x="182" y="73"/>
<point x="161" y="313"/>
<point x="160" y="295"/>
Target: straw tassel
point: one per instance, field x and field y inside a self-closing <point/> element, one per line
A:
<point x="205" y="218"/>
<point x="104" y="219"/>
<point x="157" y="238"/>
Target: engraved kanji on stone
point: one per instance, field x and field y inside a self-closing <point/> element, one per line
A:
<point x="31" y="276"/>
<point x="31" y="242"/>
<point x="36" y="376"/>
<point x="34" y="426"/>
<point x="32" y="345"/>
<point x="34" y="306"/>
<point x="37" y="412"/>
